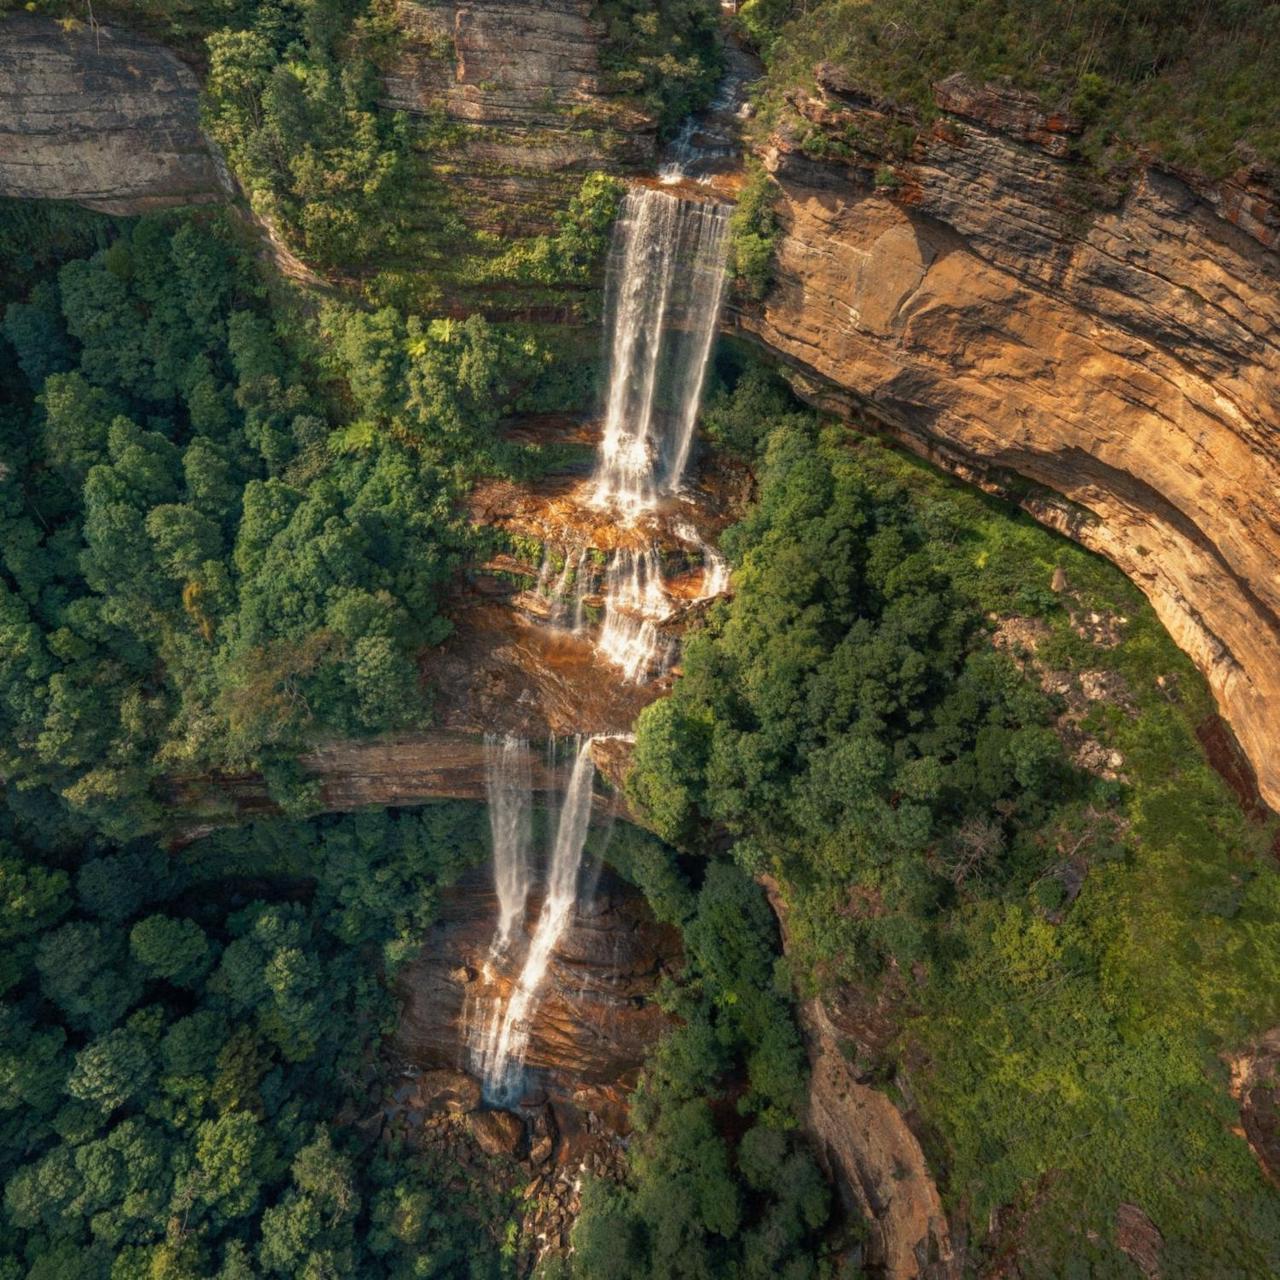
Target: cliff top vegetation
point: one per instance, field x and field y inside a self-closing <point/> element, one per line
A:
<point x="1192" y="80"/>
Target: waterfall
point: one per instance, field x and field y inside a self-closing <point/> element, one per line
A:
<point x="509" y="785"/>
<point x="634" y="605"/>
<point x="715" y="569"/>
<point x="663" y="290"/>
<point x="503" y="1058"/>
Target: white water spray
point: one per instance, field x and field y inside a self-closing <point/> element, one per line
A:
<point x="509" y="784"/>
<point x="715" y="568"/>
<point x="663" y="292"/>
<point x="503" y="1059"/>
<point x="634" y="606"/>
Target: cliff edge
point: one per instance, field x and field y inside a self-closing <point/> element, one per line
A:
<point x="97" y="115"/>
<point x="982" y="302"/>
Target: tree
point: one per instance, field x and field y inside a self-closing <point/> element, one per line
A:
<point x="112" y="1070"/>
<point x="176" y="950"/>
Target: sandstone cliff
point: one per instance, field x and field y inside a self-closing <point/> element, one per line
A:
<point x="101" y="117"/>
<point x="974" y="300"/>
<point x="520" y="84"/>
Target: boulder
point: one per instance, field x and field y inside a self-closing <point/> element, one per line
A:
<point x="497" y="1133"/>
<point x="453" y="1092"/>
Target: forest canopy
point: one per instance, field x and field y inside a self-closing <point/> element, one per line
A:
<point x="226" y="528"/>
<point x="1194" y="82"/>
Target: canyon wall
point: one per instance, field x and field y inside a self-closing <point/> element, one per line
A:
<point x="519" y="86"/>
<point x="985" y="303"/>
<point x="102" y="117"/>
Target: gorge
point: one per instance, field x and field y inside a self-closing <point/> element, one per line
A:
<point x="560" y="716"/>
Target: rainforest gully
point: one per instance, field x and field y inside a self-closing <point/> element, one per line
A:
<point x="639" y="641"/>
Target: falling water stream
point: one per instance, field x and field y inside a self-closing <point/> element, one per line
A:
<point x="502" y="1056"/>
<point x="665" y="284"/>
<point x="509" y="787"/>
<point x="663" y="292"/>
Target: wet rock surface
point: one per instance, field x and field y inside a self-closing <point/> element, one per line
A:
<point x="99" y="116"/>
<point x="595" y="1022"/>
<point x="986" y="302"/>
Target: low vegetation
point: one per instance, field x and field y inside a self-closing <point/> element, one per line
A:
<point x="1194" y="82"/>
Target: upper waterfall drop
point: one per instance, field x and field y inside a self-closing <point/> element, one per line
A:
<point x="664" y="288"/>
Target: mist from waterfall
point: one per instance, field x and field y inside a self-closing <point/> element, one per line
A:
<point x="502" y="1061"/>
<point x="663" y="291"/>
<point x="509" y="788"/>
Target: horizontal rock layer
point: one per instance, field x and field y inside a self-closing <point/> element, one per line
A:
<point x="391" y="771"/>
<point x="101" y="117"/>
<point x="520" y="83"/>
<point x="594" y="1024"/>
<point x="974" y="301"/>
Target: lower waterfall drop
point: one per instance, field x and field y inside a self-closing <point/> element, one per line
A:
<point x="504" y="1052"/>
<point x="509" y="785"/>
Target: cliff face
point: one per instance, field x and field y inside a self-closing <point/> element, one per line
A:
<point x="973" y="300"/>
<point x="519" y="83"/>
<point x="104" y="118"/>
<point x="595" y="1022"/>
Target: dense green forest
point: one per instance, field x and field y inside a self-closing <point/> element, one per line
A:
<point x="961" y="749"/>
<point x="228" y="525"/>
<point x="189" y="1043"/>
<point x="880" y="719"/>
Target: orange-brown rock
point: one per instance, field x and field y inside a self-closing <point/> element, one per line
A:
<point x="863" y="1140"/>
<point x="997" y="313"/>
<point x="497" y="1133"/>
<point x="594" y="1024"/>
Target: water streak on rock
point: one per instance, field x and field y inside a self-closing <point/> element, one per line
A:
<point x="509" y="782"/>
<point x="503" y="1060"/>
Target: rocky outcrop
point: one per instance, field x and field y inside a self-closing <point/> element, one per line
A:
<point x="1255" y="1085"/>
<point x="520" y="84"/>
<point x="349" y="774"/>
<point x="595" y="1022"/>
<point x="985" y="302"/>
<point x="860" y="1136"/>
<point x="99" y="116"/>
<point x="876" y="1161"/>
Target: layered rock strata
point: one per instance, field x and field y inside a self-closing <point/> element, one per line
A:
<point x="595" y="1020"/>
<point x="988" y="305"/>
<point x="521" y="85"/>
<point x="391" y="771"/>
<point x="101" y="117"/>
